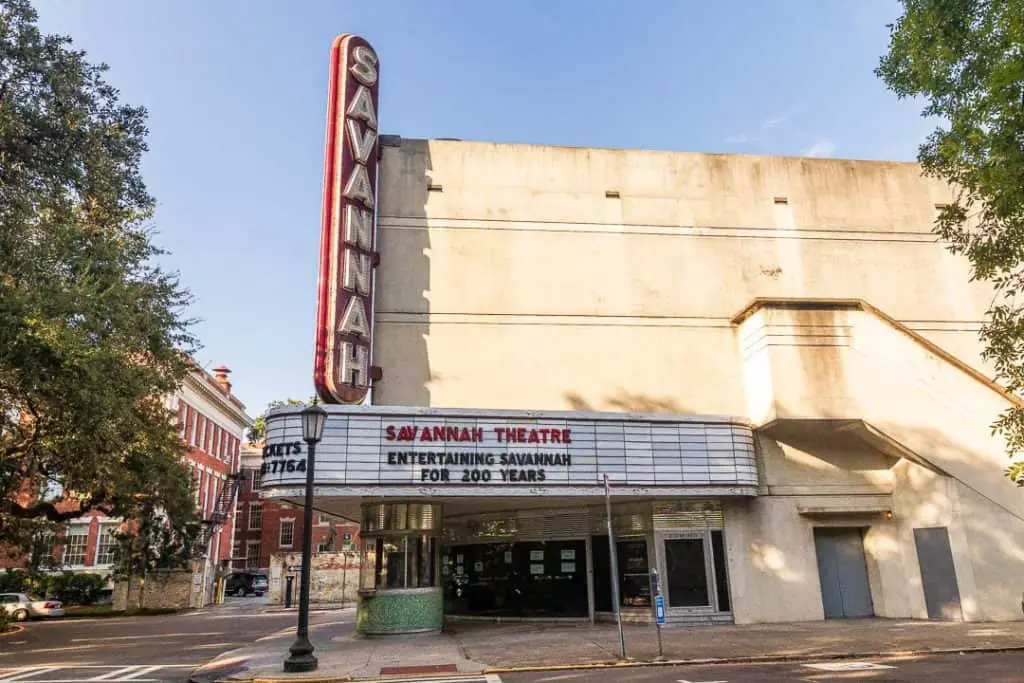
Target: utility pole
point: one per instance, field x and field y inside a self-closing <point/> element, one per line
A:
<point x="613" y="553"/>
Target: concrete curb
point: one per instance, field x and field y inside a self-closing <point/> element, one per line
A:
<point x="12" y="630"/>
<point x="706" y="661"/>
<point x="283" y="610"/>
<point x="755" y="659"/>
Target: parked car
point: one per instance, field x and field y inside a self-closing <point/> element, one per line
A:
<point x="22" y="606"/>
<point x="246" y="583"/>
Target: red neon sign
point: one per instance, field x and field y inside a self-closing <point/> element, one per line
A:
<point x="348" y="257"/>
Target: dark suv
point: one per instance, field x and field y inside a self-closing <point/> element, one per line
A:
<point x="246" y="583"/>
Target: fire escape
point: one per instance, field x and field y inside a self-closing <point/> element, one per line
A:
<point x="220" y="513"/>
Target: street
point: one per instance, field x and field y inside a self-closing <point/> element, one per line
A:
<point x="143" y="649"/>
<point x="990" y="667"/>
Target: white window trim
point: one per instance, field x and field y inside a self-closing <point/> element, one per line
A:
<point x="280" y="532"/>
<point x="66" y="545"/>
<point x="104" y="528"/>
<point x="259" y="505"/>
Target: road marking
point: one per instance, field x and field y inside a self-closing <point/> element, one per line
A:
<point x="113" y="674"/>
<point x="26" y="672"/>
<point x="51" y="649"/>
<point x="683" y="680"/>
<point x="145" y="670"/>
<point x="848" y="666"/>
<point x="159" y="635"/>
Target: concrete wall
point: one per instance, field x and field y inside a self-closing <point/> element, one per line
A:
<point x="334" y="578"/>
<point x="160" y="590"/>
<point x="510" y="285"/>
<point x="532" y="277"/>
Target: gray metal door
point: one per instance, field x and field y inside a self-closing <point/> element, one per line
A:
<point x="843" y="570"/>
<point x="938" y="575"/>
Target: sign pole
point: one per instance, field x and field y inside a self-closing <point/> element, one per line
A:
<point x="615" y="565"/>
<point x="659" y="609"/>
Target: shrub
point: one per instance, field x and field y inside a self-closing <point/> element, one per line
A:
<point x="21" y="581"/>
<point x="4" y="620"/>
<point x="69" y="588"/>
<point x="76" y="589"/>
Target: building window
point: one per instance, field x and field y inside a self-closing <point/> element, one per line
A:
<point x="252" y="554"/>
<point x="206" y="494"/>
<point x="106" y="544"/>
<point x="43" y="546"/>
<point x="323" y="546"/>
<point x="74" y="546"/>
<point x="287" y="534"/>
<point x="257" y="479"/>
<point x="192" y="436"/>
<point x="182" y="419"/>
<point x="400" y="545"/>
<point x="256" y="515"/>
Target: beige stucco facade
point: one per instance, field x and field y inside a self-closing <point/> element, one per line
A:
<point x="806" y="296"/>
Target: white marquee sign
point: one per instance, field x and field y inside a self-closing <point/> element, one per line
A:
<point x="460" y="449"/>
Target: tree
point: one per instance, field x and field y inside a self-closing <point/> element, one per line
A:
<point x="965" y="59"/>
<point x="258" y="430"/>
<point x="92" y="337"/>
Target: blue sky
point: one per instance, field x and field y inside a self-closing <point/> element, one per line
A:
<point x="236" y="92"/>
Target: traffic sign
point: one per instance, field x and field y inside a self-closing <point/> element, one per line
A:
<point x="659" y="609"/>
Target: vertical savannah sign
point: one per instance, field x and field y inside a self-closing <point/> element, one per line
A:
<point x="344" y="325"/>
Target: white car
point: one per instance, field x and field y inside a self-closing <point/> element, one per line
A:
<point x="21" y="606"/>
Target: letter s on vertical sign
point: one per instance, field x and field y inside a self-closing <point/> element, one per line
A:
<point x="344" y="319"/>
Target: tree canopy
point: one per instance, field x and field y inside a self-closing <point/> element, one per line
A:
<point x="92" y="333"/>
<point x="259" y="426"/>
<point x="965" y="60"/>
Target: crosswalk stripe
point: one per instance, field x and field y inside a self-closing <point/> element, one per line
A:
<point x="144" y="671"/>
<point x="113" y="674"/>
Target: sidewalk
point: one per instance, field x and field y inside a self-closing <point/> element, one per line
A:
<point x="315" y="607"/>
<point x="492" y="648"/>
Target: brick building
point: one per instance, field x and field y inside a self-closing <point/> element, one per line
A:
<point x="212" y="423"/>
<point x="265" y="527"/>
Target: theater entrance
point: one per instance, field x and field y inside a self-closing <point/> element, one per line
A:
<point x="526" y="579"/>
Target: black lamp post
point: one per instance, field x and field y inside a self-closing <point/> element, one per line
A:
<point x="301" y="657"/>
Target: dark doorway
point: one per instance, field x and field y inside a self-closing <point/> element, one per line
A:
<point x="524" y="579"/>
<point x="634" y="576"/>
<point x="842" y="568"/>
<point x="686" y="580"/>
<point x="938" y="575"/>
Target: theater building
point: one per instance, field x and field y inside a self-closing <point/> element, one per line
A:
<point x="772" y="359"/>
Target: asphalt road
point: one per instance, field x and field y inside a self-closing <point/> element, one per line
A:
<point x="990" y="668"/>
<point x="143" y="649"/>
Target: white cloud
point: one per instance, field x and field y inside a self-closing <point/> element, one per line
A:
<point x="821" y="148"/>
<point x="773" y="122"/>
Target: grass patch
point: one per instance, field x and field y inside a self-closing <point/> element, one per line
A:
<point x="94" y="611"/>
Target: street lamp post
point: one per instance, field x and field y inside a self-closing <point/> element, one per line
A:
<point x="301" y="657"/>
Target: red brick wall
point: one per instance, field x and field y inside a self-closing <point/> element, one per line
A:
<point x="269" y="533"/>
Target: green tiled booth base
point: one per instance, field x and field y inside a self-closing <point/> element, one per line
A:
<point x="400" y="611"/>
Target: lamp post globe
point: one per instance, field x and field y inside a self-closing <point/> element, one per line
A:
<point x="314" y="418"/>
<point x="301" y="658"/>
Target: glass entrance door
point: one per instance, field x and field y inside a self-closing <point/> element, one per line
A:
<point x="687" y="570"/>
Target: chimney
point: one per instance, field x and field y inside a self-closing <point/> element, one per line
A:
<point x="220" y="373"/>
